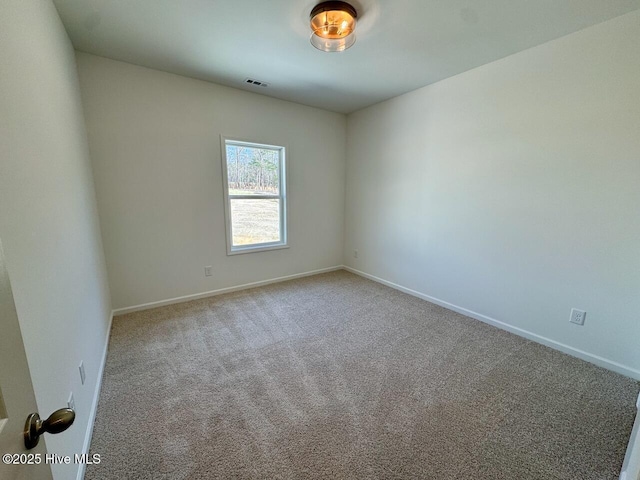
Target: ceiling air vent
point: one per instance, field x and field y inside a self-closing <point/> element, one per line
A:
<point x="255" y="83"/>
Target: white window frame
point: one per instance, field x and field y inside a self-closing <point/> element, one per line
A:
<point x="255" y="247"/>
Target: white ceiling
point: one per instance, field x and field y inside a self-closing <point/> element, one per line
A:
<point x="401" y="44"/>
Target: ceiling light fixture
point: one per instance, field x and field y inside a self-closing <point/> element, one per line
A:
<point x="333" y="25"/>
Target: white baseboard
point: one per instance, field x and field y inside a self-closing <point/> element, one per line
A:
<point x="220" y="291"/>
<point x="575" y="352"/>
<point x="94" y="404"/>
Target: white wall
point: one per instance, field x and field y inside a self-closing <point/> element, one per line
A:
<point x="48" y="215"/>
<point x="513" y="190"/>
<point x="155" y="145"/>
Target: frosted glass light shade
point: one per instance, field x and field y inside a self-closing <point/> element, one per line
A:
<point x="333" y="26"/>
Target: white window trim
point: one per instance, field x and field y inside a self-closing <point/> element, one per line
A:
<point x="284" y="225"/>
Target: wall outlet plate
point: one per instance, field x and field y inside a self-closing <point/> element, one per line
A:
<point x="207" y="271"/>
<point x="577" y="316"/>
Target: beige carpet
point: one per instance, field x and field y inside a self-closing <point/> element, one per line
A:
<point x="334" y="376"/>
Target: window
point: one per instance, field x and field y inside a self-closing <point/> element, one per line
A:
<point x="255" y="196"/>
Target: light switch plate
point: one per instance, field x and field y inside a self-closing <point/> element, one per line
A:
<point x="83" y="375"/>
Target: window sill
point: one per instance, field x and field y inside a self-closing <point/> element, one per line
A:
<point x="256" y="248"/>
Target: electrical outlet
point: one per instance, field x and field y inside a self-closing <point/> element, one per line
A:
<point x="207" y="271"/>
<point x="355" y="254"/>
<point x="71" y="403"/>
<point x="577" y="316"/>
<point x="83" y="375"/>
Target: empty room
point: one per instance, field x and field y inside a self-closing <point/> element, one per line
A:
<point x="372" y="239"/>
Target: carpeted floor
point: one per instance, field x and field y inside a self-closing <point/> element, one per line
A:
<point x="334" y="376"/>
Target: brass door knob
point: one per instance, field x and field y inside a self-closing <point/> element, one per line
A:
<point x="57" y="422"/>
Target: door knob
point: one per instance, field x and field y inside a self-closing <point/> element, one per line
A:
<point x="57" y="422"/>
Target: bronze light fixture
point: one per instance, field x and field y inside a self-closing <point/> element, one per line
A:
<point x="333" y="25"/>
